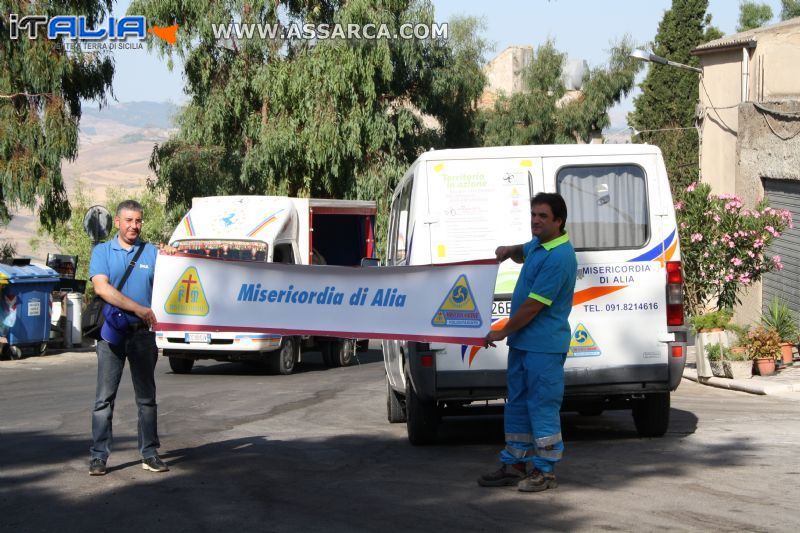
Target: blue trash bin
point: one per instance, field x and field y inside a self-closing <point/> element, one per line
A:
<point x="26" y="302"/>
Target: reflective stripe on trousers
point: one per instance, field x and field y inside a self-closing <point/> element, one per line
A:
<point x="531" y="418"/>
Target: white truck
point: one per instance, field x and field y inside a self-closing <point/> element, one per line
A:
<point x="629" y="338"/>
<point x="273" y="229"/>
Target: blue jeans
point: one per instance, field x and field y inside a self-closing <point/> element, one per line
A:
<point x="532" y="411"/>
<point x="140" y="349"/>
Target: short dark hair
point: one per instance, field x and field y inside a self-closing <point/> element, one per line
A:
<point x="557" y="205"/>
<point x="130" y="205"/>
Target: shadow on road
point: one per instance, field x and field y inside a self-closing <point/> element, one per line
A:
<point x="358" y="482"/>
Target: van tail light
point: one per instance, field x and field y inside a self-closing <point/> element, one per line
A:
<point x="674" y="294"/>
<point x="677" y="350"/>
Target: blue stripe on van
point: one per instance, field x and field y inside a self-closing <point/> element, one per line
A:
<point x="657" y="250"/>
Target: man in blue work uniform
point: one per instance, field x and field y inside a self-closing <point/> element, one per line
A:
<point x="130" y="337"/>
<point x="538" y="338"/>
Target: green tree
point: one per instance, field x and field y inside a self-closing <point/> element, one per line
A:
<point x="790" y="9"/>
<point x="331" y="119"/>
<point x="545" y="114"/>
<point x="41" y="88"/>
<point x="753" y="15"/>
<point x="665" y="111"/>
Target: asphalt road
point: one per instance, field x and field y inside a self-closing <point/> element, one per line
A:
<point x="314" y="452"/>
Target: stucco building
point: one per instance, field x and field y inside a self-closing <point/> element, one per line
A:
<point x="750" y="138"/>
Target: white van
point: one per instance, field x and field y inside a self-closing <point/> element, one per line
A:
<point x="272" y="229"/>
<point x="629" y="338"/>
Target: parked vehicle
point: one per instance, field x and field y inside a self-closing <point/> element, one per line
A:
<point x="271" y="229"/>
<point x="629" y="338"/>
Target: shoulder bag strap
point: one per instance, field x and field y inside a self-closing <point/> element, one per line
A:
<point x="130" y="266"/>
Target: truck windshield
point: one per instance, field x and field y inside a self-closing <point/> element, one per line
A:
<point x="233" y="250"/>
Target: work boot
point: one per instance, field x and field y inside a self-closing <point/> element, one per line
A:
<point x="97" y="467"/>
<point x="537" y="481"/>
<point x="154" y="464"/>
<point x="504" y="476"/>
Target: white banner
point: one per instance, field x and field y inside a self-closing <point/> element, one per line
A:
<point x="436" y="303"/>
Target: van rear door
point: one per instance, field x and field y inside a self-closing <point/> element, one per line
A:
<point x="618" y="319"/>
<point x="474" y="206"/>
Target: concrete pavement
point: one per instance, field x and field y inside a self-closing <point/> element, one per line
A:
<point x="786" y="380"/>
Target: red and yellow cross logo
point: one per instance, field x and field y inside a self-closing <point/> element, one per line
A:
<point x="187" y="296"/>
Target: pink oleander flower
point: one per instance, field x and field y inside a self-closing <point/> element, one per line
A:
<point x="736" y="261"/>
<point x="728" y="278"/>
<point x="678" y="206"/>
<point x="750" y="253"/>
<point x="697" y="237"/>
<point x="705" y="254"/>
<point x="684" y="225"/>
<point x="745" y="279"/>
<point x="758" y="243"/>
<point x="691" y="186"/>
<point x="717" y="218"/>
<point x="731" y="244"/>
<point x="776" y="259"/>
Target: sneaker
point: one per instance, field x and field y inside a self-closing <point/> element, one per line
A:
<point x="537" y="481"/>
<point x="154" y="464"/>
<point x="97" y="467"/>
<point x="503" y="477"/>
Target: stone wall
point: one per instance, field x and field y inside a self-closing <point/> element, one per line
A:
<point x="767" y="146"/>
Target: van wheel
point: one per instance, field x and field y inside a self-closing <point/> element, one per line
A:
<point x="422" y="419"/>
<point x="591" y="411"/>
<point x="283" y="360"/>
<point x="651" y="414"/>
<point x="338" y="352"/>
<point x="179" y="365"/>
<point x="395" y="412"/>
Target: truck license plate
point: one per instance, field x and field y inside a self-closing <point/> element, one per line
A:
<point x="204" y="338"/>
<point x="501" y="308"/>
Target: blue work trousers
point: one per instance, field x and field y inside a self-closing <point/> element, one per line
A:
<point x="532" y="419"/>
<point x="141" y="351"/>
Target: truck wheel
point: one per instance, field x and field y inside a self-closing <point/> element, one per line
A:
<point x="422" y="419"/>
<point x="395" y="412"/>
<point x="283" y="361"/>
<point x="179" y="365"/>
<point x="338" y="352"/>
<point x="651" y="414"/>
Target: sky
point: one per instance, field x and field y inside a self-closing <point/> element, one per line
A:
<point x="584" y="29"/>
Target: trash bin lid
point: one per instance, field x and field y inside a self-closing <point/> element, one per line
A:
<point x="26" y="274"/>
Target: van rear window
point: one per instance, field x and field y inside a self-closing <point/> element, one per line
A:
<point x="606" y="206"/>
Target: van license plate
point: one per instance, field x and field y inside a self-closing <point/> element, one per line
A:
<point x="204" y="338"/>
<point x="501" y="308"/>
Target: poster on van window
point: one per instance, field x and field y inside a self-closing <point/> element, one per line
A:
<point x="479" y="205"/>
<point x="433" y="303"/>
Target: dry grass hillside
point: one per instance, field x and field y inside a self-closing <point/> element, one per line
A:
<point x="115" y="147"/>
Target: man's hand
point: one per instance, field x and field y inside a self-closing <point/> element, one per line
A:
<point x="494" y="336"/>
<point x="509" y="252"/>
<point x="167" y="249"/>
<point x="147" y="315"/>
<point x="502" y="253"/>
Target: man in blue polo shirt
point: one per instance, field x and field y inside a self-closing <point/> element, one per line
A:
<point x="125" y="335"/>
<point x="538" y="338"/>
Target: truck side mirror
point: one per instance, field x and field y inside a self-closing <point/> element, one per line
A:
<point x="370" y="262"/>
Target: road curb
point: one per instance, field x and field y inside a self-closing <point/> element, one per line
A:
<point x="752" y="387"/>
